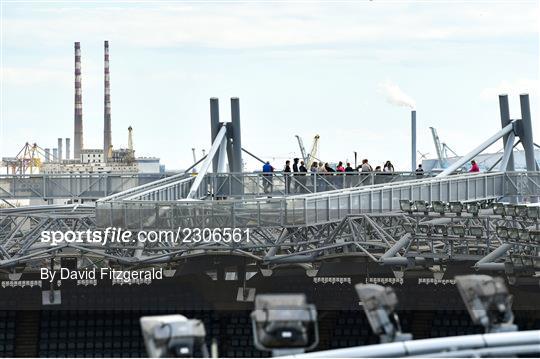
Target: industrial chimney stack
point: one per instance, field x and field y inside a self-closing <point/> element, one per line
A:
<point x="68" y="148"/>
<point x="107" y="140"/>
<point x="78" y="128"/>
<point x="413" y="140"/>
<point x="60" y="150"/>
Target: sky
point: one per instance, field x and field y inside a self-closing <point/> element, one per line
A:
<point x="347" y="71"/>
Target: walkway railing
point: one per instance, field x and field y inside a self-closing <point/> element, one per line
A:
<point x="312" y="208"/>
<point x="89" y="186"/>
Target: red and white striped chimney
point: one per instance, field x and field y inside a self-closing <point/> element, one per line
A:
<point x="107" y="135"/>
<point x="78" y="128"/>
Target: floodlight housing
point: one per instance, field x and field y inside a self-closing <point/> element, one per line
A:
<point x="502" y="232"/>
<point x="534" y="235"/>
<point x="513" y="233"/>
<point x="441" y="229"/>
<point x="405" y="205"/>
<point x="421" y="206"/>
<point x="488" y="302"/>
<point x="439" y="207"/>
<point x="458" y="230"/>
<point x="533" y="212"/>
<point x="424" y="228"/>
<point x="284" y="322"/>
<point x="379" y="304"/>
<point x="408" y="227"/>
<point x="456" y="207"/>
<point x="168" y="336"/>
<point x="499" y="209"/>
<point x="523" y="235"/>
<point x="473" y="208"/>
<point x="476" y="231"/>
<point x="510" y="210"/>
<point x="521" y="211"/>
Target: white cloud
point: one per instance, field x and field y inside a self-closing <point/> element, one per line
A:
<point x="26" y="76"/>
<point x="235" y="25"/>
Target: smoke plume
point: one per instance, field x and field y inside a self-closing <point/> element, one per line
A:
<point x="395" y="95"/>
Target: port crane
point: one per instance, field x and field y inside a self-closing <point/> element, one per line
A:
<point x="313" y="154"/>
<point x="442" y="149"/>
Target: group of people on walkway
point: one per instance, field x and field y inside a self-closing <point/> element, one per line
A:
<point x="297" y="172"/>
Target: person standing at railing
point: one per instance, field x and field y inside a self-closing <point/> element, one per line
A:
<point x="474" y="167"/>
<point x="366" y="167"/>
<point x="330" y="175"/>
<point x="349" y="171"/>
<point x="267" y="177"/>
<point x="302" y="180"/>
<point x="388" y="167"/>
<point x="419" y="170"/>
<point x="295" y="177"/>
<point x="314" y="169"/>
<point x="287" y="176"/>
<point x="321" y="180"/>
<point x="340" y="179"/>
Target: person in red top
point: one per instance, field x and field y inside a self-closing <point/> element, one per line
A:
<point x="474" y="167"/>
<point x="340" y="167"/>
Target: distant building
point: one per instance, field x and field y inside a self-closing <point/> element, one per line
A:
<point x="92" y="156"/>
<point x="149" y="165"/>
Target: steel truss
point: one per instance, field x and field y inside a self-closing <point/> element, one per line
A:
<point x="402" y="241"/>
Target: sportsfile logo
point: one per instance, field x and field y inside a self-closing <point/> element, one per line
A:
<point x="119" y="236"/>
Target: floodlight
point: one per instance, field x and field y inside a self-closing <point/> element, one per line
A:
<point x="168" y="336"/>
<point x="424" y="228"/>
<point x="498" y="209"/>
<point x="284" y="323"/>
<point x="421" y="206"/>
<point x="502" y="232"/>
<point x="488" y="302"/>
<point x="379" y="304"/>
<point x="534" y="235"/>
<point x="510" y="210"/>
<point x="405" y="205"/>
<point x="473" y="208"/>
<point x="513" y="233"/>
<point x="523" y="235"/>
<point x="521" y="210"/>
<point x="458" y="230"/>
<point x="533" y="212"/>
<point x="441" y="229"/>
<point x="476" y="231"/>
<point x="456" y="207"/>
<point x="408" y="227"/>
<point x="439" y="207"/>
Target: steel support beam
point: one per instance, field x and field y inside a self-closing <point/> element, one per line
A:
<point x="469" y="156"/>
<point x="218" y="141"/>
<point x="505" y="121"/>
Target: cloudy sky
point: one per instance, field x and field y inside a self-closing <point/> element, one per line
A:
<point x="298" y="67"/>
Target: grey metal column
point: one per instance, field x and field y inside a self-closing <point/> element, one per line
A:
<point x="68" y="148"/>
<point x="214" y="126"/>
<point x="237" y="134"/>
<point x="230" y="151"/>
<point x="527" y="135"/>
<point x="413" y="140"/>
<point x="505" y="120"/>
<point x="59" y="149"/>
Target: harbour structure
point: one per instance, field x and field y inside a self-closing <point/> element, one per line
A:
<point x="306" y="205"/>
<point x="319" y="234"/>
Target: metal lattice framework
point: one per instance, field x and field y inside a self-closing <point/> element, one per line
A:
<point x="407" y="241"/>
